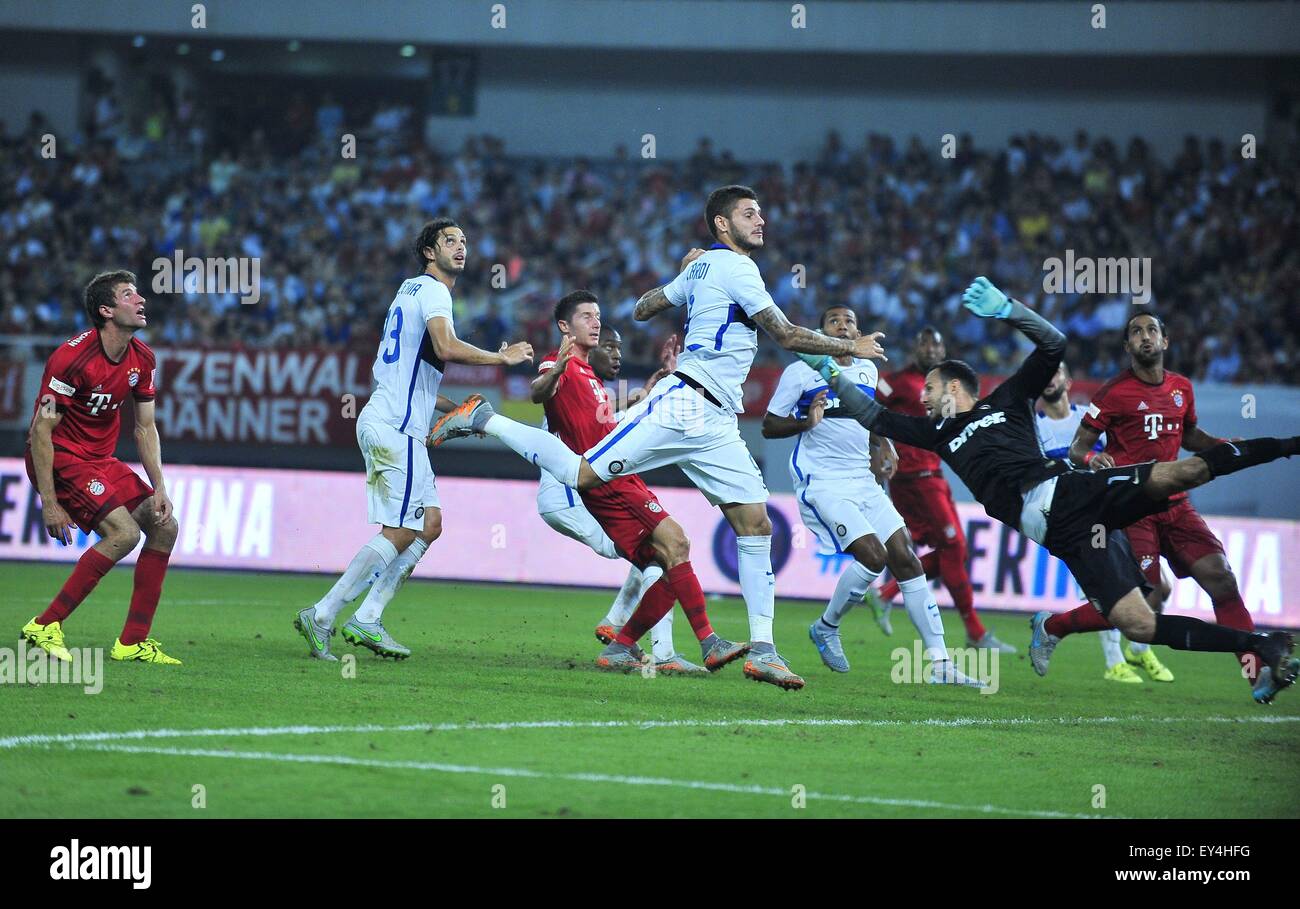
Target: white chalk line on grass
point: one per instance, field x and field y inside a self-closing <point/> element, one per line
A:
<point x="38" y="739"/>
<point x="699" y="785"/>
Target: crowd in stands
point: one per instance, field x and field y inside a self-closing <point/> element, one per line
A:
<point x="896" y="230"/>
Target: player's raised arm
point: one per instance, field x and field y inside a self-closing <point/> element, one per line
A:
<point x="798" y="339"/>
<point x="986" y="301"/>
<point x="452" y="349"/>
<point x="550" y="374"/>
<point x="652" y="303"/>
<point x="149" y="445"/>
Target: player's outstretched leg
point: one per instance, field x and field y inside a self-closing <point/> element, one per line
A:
<point x="534" y="445"/>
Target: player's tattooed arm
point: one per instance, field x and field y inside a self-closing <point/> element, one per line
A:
<point x="804" y="340"/>
<point x="1082" y="449"/>
<point x="652" y="303"/>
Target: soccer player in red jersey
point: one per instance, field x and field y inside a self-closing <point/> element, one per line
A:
<point x="579" y="412"/>
<point x="1147" y="413"/>
<point x="924" y="499"/>
<point x="70" y="461"/>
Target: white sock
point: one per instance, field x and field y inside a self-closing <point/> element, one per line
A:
<point x="1135" y="646"/>
<point x="924" y="613"/>
<point x="849" y="591"/>
<point x="661" y="637"/>
<point x="1110" y="639"/>
<point x="629" y="596"/>
<point x="537" y="446"/>
<point x="390" y="582"/>
<point x="757" y="585"/>
<point x="367" y="565"/>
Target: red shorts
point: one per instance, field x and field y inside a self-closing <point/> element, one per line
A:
<point x="928" y="510"/>
<point x="629" y="512"/>
<point x="88" y="490"/>
<point x="1179" y="534"/>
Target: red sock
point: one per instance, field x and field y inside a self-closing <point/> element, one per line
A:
<point x="150" y="569"/>
<point x="656" y="603"/>
<point x="952" y="568"/>
<point x="929" y="564"/>
<point x="1076" y="621"/>
<point x="92" y="566"/>
<point x="1232" y="612"/>
<point x="686" y="586"/>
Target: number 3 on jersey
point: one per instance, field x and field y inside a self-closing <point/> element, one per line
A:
<point x="392" y="356"/>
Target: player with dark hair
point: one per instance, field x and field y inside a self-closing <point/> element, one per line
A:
<point x="845" y="507"/>
<point x="1147" y="413"/>
<point x="1079" y="516"/>
<point x="70" y="444"/>
<point x="579" y="412"/>
<point x="689" y="419"/>
<point x="1058" y="421"/>
<point x="922" y="496"/>
<point x="419" y="340"/>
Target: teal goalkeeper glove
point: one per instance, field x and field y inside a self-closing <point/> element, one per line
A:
<point x="985" y="300"/>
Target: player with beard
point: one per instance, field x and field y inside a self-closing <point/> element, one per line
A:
<point x="1147" y="413"/>
<point x="991" y="443"/>
<point x="924" y="499"/>
<point x="1058" y="421"/>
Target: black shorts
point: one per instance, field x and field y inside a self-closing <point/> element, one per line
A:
<point x="1085" y="529"/>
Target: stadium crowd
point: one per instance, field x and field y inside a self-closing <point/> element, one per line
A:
<point x="895" y="231"/>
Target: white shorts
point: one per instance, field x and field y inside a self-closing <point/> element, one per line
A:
<point x="399" y="478"/>
<point x="674" y="424"/>
<point x="578" y="524"/>
<point x="840" y="511"/>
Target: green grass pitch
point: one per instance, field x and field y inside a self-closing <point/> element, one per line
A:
<point x="500" y="713"/>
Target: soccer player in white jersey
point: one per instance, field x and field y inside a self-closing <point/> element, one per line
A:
<point x="562" y="510"/>
<point x="1058" y="421"/>
<point x="843" y="505"/>
<point x="418" y="339"/>
<point x="689" y="418"/>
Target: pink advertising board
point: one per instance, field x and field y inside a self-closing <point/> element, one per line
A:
<point x="314" y="521"/>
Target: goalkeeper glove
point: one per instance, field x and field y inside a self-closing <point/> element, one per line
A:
<point x="985" y="300"/>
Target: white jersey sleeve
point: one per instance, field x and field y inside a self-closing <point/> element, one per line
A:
<point x="788" y="391"/>
<point x="434" y="300"/>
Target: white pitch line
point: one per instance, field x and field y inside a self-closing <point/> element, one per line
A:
<point x="345" y="761"/>
<point x="37" y="739"/>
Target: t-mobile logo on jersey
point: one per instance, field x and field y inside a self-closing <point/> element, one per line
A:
<point x="1154" y="424"/>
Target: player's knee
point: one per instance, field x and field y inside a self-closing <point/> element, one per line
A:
<point x="904" y="564"/>
<point x="869" y="551"/>
<point x="676" y="546"/>
<point x="432" y="528"/>
<point x="1220" y="582"/>
<point x="124" y="536"/>
<point x="164" y="533"/>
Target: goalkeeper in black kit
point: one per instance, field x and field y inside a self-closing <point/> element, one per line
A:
<point x="1077" y="515"/>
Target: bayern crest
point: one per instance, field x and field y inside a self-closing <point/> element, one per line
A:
<point x="95" y="488"/>
<point x="1178" y="399"/>
<point x="133" y="376"/>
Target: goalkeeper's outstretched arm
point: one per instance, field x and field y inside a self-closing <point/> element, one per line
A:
<point x="986" y="301"/>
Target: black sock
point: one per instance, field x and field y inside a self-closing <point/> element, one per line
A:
<point x="1229" y="457"/>
<point x="1185" y="633"/>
